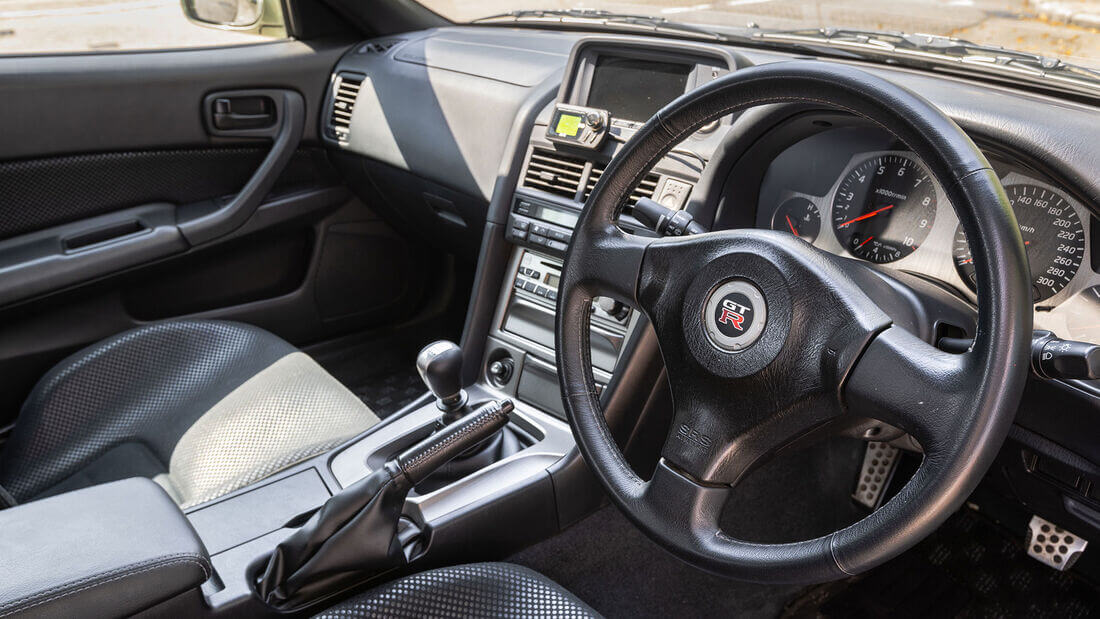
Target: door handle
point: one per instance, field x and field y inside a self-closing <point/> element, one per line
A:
<point x="205" y="221"/>
<point x="230" y="113"/>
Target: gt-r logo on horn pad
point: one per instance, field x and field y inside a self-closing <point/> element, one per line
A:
<point x="733" y="314"/>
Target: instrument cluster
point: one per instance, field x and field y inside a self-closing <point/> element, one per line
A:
<point x="885" y="207"/>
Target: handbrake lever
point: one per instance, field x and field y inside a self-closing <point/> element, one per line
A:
<point x="355" y="533"/>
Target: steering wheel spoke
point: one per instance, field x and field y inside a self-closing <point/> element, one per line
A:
<point x="609" y="265"/>
<point x="722" y="432"/>
<point x="908" y="383"/>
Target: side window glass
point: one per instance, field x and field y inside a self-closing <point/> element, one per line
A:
<point x="76" y="26"/>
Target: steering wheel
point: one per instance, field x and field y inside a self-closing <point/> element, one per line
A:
<point x="766" y="339"/>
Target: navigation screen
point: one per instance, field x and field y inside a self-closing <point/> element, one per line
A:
<point x="634" y="89"/>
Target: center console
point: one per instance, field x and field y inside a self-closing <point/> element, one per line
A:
<point x="519" y="360"/>
<point x="526" y="482"/>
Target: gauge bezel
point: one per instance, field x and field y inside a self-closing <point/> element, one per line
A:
<point x="1084" y="240"/>
<point x="935" y="257"/>
<point x="903" y="211"/>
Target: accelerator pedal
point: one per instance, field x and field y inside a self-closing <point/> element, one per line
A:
<point x="1053" y="545"/>
<point x="879" y="462"/>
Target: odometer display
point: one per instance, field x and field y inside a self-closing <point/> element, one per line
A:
<point x="884" y="208"/>
<point x="1053" y="237"/>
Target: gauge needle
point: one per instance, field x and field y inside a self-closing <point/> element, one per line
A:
<point x="789" y="223"/>
<point x="865" y="216"/>
<point x="864" y="242"/>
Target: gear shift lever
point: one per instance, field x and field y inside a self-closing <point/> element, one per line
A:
<point x="440" y="367"/>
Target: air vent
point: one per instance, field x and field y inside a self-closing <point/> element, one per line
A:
<point x="346" y="90"/>
<point x="554" y="172"/>
<point x="645" y="189"/>
<point x="378" y="47"/>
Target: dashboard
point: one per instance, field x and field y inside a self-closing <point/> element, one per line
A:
<point x="465" y="157"/>
<point x="856" y="192"/>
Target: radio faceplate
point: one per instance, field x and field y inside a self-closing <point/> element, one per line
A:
<point x="547" y="227"/>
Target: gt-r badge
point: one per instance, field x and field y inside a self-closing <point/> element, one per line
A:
<point x="735" y="315"/>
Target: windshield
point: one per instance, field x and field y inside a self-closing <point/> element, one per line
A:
<point x="1065" y="29"/>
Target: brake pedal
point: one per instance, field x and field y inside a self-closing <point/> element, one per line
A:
<point x="1053" y="545"/>
<point x="879" y="462"/>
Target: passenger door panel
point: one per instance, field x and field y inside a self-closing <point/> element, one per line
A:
<point x="137" y="187"/>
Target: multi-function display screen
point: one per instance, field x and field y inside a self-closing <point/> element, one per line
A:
<point x="568" y="124"/>
<point x="633" y="88"/>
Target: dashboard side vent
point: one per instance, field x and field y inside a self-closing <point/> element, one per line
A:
<point x="380" y="46"/>
<point x="345" y="92"/>
<point x="645" y="189"/>
<point x="554" y="172"/>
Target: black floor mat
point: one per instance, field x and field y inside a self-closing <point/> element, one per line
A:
<point x="380" y="369"/>
<point x="969" y="568"/>
<point x="611" y="565"/>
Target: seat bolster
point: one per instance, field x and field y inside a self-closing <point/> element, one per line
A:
<point x="147" y="386"/>
<point x="474" y="590"/>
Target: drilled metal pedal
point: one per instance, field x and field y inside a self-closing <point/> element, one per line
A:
<point x="879" y="462"/>
<point x="1053" y="545"/>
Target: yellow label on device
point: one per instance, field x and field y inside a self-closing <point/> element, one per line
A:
<point x="568" y="125"/>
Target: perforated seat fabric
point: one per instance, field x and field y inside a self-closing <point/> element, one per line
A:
<point x="476" y="591"/>
<point x="202" y="407"/>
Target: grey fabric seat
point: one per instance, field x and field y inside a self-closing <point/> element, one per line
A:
<point x="476" y="591"/>
<point x="201" y="407"/>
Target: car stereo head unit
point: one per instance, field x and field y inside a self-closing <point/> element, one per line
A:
<point x="548" y="227"/>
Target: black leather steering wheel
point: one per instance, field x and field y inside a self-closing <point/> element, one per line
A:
<point x="809" y="346"/>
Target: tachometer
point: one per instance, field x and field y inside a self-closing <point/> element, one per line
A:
<point x="798" y="216"/>
<point x="1053" y="236"/>
<point x="884" y="208"/>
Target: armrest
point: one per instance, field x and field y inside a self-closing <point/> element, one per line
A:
<point x="108" y="550"/>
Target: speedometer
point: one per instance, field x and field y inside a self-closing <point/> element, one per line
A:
<point x="884" y="208"/>
<point x="1053" y="236"/>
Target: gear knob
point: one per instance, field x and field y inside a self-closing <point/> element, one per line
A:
<point x="440" y="367"/>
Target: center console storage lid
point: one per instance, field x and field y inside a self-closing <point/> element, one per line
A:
<point x="109" y="550"/>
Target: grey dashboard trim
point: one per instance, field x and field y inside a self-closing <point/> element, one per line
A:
<point x="1061" y="134"/>
<point x="444" y="112"/>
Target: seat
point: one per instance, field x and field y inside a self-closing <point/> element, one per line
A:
<point x="477" y="590"/>
<point x="201" y="407"/>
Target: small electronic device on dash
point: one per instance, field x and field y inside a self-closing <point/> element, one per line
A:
<point x="577" y="125"/>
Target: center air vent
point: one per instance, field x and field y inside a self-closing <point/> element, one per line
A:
<point x="554" y="172"/>
<point x="346" y="90"/>
<point x="645" y="189"/>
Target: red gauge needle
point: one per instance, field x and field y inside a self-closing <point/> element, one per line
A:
<point x="793" y="231"/>
<point x="864" y="242"/>
<point x="865" y="216"/>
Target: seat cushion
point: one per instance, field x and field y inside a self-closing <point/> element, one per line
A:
<point x="477" y="590"/>
<point x="202" y="407"/>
